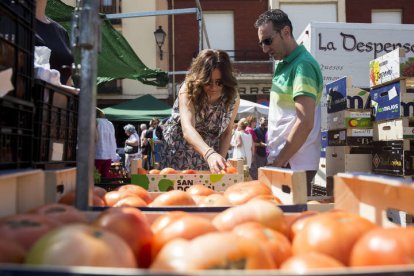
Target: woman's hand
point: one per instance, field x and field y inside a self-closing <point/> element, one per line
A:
<point x="216" y="162"/>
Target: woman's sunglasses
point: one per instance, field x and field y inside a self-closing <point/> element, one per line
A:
<point x="217" y="83"/>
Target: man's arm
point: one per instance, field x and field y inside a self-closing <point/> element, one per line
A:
<point x="305" y="112"/>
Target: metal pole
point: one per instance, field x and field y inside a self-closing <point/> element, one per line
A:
<point x="88" y="43"/>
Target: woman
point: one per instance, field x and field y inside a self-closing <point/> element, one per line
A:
<point x="131" y="146"/>
<point x="243" y="146"/>
<point x="197" y="135"/>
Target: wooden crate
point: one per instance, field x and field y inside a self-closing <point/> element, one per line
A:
<point x="21" y="190"/>
<point x="348" y="159"/>
<point x="372" y="196"/>
<point x="398" y="129"/>
<point x="58" y="183"/>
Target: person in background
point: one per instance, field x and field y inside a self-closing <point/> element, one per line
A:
<point x="52" y="35"/>
<point x="131" y="146"/>
<point x="197" y="135"/>
<point x="105" y="146"/>
<point x="155" y="139"/>
<point x="261" y="133"/>
<point x="243" y="146"/>
<point x="294" y="110"/>
<point x="251" y="124"/>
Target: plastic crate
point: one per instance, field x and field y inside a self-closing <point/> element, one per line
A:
<point x="16" y="134"/>
<point x="55" y="126"/>
<point x="17" y="45"/>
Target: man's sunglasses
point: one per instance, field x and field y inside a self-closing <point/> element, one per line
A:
<point x="268" y="41"/>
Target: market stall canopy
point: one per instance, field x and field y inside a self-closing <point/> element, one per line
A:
<point x="116" y="60"/>
<point x="247" y="108"/>
<point x="140" y="109"/>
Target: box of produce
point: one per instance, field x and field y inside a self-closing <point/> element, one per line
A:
<point x="397" y="129"/>
<point x="349" y="119"/>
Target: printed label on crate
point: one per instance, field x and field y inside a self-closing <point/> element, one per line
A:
<point x="163" y="183"/>
<point x="389" y="67"/>
<point x="349" y="119"/>
<point x="393" y="157"/>
<point x="368" y="132"/>
<point x="350" y="137"/>
<point x="408" y="132"/>
<point x="341" y="95"/>
<point x="386" y="101"/>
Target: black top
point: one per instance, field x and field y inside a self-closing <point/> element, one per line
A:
<point x="261" y="137"/>
<point x="55" y="37"/>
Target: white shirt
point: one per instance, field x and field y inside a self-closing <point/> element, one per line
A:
<point x="105" y="145"/>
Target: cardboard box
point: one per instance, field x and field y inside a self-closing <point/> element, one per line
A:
<point x="393" y="157"/>
<point x="357" y="118"/>
<point x="350" y="137"/>
<point x="341" y="95"/>
<point x="348" y="159"/>
<point x="21" y="190"/>
<point x="392" y="101"/>
<point x="324" y="143"/>
<point x="397" y="129"/>
<point x="163" y="183"/>
<point x="390" y="67"/>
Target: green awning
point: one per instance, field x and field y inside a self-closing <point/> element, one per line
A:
<point x="117" y="60"/>
<point x="140" y="109"/>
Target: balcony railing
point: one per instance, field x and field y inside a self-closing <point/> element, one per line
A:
<point x="109" y="7"/>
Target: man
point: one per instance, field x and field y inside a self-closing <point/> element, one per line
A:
<point x="261" y="132"/>
<point x="294" y="110"/>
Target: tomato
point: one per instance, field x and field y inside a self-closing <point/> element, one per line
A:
<point x="165" y="219"/>
<point x="69" y="199"/>
<point x="200" y="189"/>
<point x="244" y="191"/>
<point x="384" y="246"/>
<point x="185" y="227"/>
<point x="142" y="171"/>
<point x="260" y="211"/>
<point x="137" y="190"/>
<point x="26" y="229"/>
<point x="229" y="170"/>
<point x="332" y="233"/>
<point x="61" y="213"/>
<point x="112" y="197"/>
<point x="11" y="251"/>
<point x="99" y="191"/>
<point x="133" y="227"/>
<point x="277" y="244"/>
<point x="168" y="171"/>
<point x="130" y="201"/>
<point x="304" y="263"/>
<point x="81" y="245"/>
<point x="188" y="172"/>
<point x="154" y="171"/>
<point x="214" y="200"/>
<point x="272" y="198"/>
<point x="173" y="198"/>
<point x="296" y="221"/>
<point x="215" y="250"/>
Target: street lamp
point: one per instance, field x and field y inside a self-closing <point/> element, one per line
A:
<point x="159" y="38"/>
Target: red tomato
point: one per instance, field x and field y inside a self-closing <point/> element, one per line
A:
<point x="173" y="198"/>
<point x="26" y="229"/>
<point x="154" y="171"/>
<point x="81" y="245"/>
<point x="69" y="199"/>
<point x="384" y="246"/>
<point x="214" y="200"/>
<point x="168" y="171"/>
<point x="165" y="219"/>
<point x="216" y="250"/>
<point x="188" y="172"/>
<point x="11" y="251"/>
<point x="260" y="211"/>
<point x="304" y="263"/>
<point x="112" y="197"/>
<point x="296" y="221"/>
<point x="244" y="191"/>
<point x="200" y="189"/>
<point x="130" y="201"/>
<point x="137" y="190"/>
<point x="133" y="227"/>
<point x="272" y="198"/>
<point x="99" y="191"/>
<point x="185" y="227"/>
<point x="277" y="244"/>
<point x="61" y="213"/>
<point x="332" y="233"/>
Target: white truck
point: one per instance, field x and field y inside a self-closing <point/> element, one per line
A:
<point x="346" y="49"/>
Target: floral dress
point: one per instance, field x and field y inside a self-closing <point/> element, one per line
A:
<point x="211" y="122"/>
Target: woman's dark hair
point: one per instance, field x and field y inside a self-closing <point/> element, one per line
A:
<point x="278" y="18"/>
<point x="200" y="74"/>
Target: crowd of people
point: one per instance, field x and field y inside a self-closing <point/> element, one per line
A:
<point x="203" y="127"/>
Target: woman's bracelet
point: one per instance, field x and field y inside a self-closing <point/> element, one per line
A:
<point x="208" y="152"/>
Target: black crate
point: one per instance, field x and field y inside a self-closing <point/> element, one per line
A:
<point x="55" y="126"/>
<point x="17" y="45"/>
<point x="394" y="157"/>
<point x="16" y="134"/>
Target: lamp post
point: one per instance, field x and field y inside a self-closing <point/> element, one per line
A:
<point x="160" y="38"/>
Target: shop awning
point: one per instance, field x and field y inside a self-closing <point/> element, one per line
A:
<point x="140" y="109"/>
<point x="117" y="60"/>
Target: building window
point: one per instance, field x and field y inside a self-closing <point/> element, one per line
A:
<point x="220" y="31"/>
<point x="386" y="16"/>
